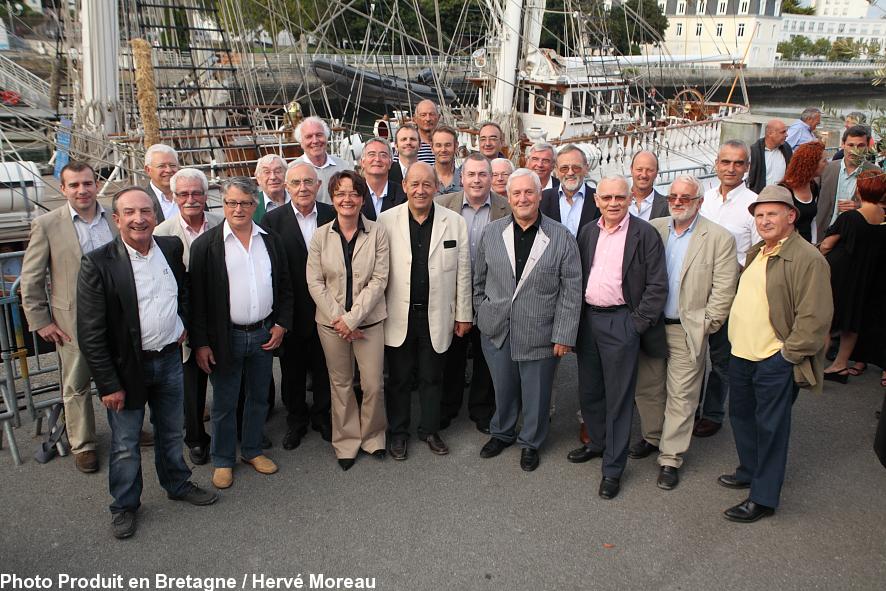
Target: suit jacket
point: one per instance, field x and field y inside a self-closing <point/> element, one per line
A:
<point x="260" y="210"/>
<point x="828" y="195"/>
<point x="644" y="280"/>
<point x="659" y="206"/>
<point x="158" y="211"/>
<point x="283" y="223"/>
<point x="54" y="244"/>
<point x="173" y="227"/>
<point x="498" y="205"/>
<point x="757" y="175"/>
<point x="327" y="276"/>
<point x="449" y="272"/>
<point x="211" y="318"/>
<point x="550" y="206"/>
<point x="545" y="306"/>
<point x="708" y="279"/>
<point x="108" y="325"/>
<point x="395" y="175"/>
<point x="394" y="197"/>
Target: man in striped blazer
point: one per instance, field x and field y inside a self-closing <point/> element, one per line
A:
<point x="527" y="299"/>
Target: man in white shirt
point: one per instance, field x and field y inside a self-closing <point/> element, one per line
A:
<point x="541" y="159"/>
<point x="646" y="203"/>
<point x="242" y="307"/>
<point x="375" y="166"/>
<point x="161" y="164"/>
<point x="313" y="136"/>
<point x="770" y="156"/>
<point x="131" y="300"/>
<point x="270" y="174"/>
<point x="726" y="205"/>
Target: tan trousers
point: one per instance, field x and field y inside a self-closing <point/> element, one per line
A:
<point x="650" y="395"/>
<point x="685" y="376"/>
<point x="76" y="396"/>
<point x="356" y="426"/>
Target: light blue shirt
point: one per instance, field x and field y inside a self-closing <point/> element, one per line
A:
<point x="675" y="252"/>
<point x="92" y="234"/>
<point x="799" y="133"/>
<point x="476" y="219"/>
<point x="570" y="215"/>
<point x="845" y="186"/>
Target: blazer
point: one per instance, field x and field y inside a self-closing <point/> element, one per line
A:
<point x="395" y="175"/>
<point x="498" y="205"/>
<point x="211" y="318"/>
<point x="327" y="276"/>
<point x="708" y="279"/>
<point x="284" y="225"/>
<point x="644" y="280"/>
<point x="108" y="325"/>
<point x="550" y="206"/>
<point x="158" y="211"/>
<point x="449" y="272"/>
<point x="828" y="196"/>
<point x="757" y="175"/>
<point x="545" y="306"/>
<point x="173" y="227"/>
<point x="53" y="243"/>
<point x="659" y="206"/>
<point x="394" y="197"/>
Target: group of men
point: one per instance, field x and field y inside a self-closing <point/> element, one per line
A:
<point x="520" y="273"/>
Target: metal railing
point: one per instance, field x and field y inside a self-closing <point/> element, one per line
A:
<point x="817" y="65"/>
<point x="33" y="89"/>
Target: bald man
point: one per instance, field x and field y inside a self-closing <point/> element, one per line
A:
<point x="769" y="157"/>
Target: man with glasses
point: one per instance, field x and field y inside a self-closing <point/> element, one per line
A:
<point x="270" y="174"/>
<point x="189" y="187"/>
<point x="502" y="168"/>
<point x="491" y="140"/>
<point x="295" y="226"/>
<point x="540" y="160"/>
<point x="572" y="203"/>
<point x="702" y="275"/>
<point x="161" y="163"/>
<point x="726" y="205"/>
<point x="241" y="308"/>
<point x="375" y="165"/>
<point x="625" y="287"/>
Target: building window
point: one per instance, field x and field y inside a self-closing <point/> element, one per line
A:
<point x="743" y="7"/>
<point x="777" y="9"/>
<point x="820" y="27"/>
<point x="698" y="29"/>
<point x="679" y="29"/>
<point x="719" y="29"/>
<point x="700" y="6"/>
<point x="681" y="7"/>
<point x="740" y="32"/>
<point x="803" y="27"/>
<point x="762" y="9"/>
<point x="721" y="6"/>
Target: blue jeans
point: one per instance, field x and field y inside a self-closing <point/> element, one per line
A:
<point x="760" y="401"/>
<point x="254" y="365"/>
<point x="163" y="382"/>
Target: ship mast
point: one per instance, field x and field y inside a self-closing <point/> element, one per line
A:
<point x="99" y="82"/>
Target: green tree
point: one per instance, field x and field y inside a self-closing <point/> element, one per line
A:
<point x="843" y="50"/>
<point x="796" y="48"/>
<point x="821" y="47"/>
<point x="793" y="7"/>
<point x="628" y="31"/>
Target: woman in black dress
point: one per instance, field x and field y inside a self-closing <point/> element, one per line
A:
<point x="852" y="247"/>
<point x="806" y="164"/>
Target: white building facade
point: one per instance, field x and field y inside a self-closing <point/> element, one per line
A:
<point x="841" y="8"/>
<point x="863" y="30"/>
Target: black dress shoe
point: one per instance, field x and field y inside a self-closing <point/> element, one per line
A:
<point x="609" y="488"/>
<point x="483" y="428"/>
<point x="493" y="447"/>
<point x="528" y="459"/>
<point x="398" y="449"/>
<point x="123" y="524"/>
<point x="641" y="449"/>
<point x="324" y="429"/>
<point x="379" y="454"/>
<point x="293" y="438"/>
<point x="199" y="454"/>
<point x="346" y="463"/>
<point x="747" y="512"/>
<point x="668" y="478"/>
<point x="582" y="454"/>
<point x="436" y="444"/>
<point x="706" y="428"/>
<point x="730" y="481"/>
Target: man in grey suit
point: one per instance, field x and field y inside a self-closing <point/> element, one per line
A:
<point x="626" y="285"/>
<point x="646" y="203"/>
<point x="190" y="188"/>
<point x="479" y="206"/>
<point x="527" y="298"/>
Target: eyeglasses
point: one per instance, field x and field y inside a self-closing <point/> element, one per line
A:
<point x="681" y="199"/>
<point x="351" y="194"/>
<point x="165" y="166"/>
<point x="383" y="154"/>
<point x="570" y="167"/>
<point x="296" y="183"/>
<point x="243" y="204"/>
<point x="189" y="194"/>
<point x="488" y="138"/>
<point x="545" y="161"/>
<point x="615" y="198"/>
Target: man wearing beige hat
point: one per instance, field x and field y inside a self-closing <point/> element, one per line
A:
<point x="778" y="324"/>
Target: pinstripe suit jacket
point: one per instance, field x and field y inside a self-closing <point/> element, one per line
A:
<point x="544" y="307"/>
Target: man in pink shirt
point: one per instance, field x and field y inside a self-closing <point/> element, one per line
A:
<point x="625" y="288"/>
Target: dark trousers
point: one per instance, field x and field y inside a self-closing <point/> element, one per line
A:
<point x="713" y="405"/>
<point x="607" y="351"/>
<point x="298" y="356"/>
<point x="481" y="396"/>
<point x="415" y="357"/>
<point x="762" y="394"/>
<point x="195" y="380"/>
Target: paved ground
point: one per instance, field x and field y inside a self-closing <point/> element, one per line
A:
<point x="460" y="522"/>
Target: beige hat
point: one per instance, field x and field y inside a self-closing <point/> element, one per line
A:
<point x="774" y="194"/>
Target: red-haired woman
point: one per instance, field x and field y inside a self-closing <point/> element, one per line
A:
<point x="806" y="164"/>
<point x="852" y="247"/>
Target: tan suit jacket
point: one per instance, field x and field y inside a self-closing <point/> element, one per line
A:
<point x="173" y="227"/>
<point x="449" y="272"/>
<point x="327" y="276"/>
<point x="53" y="243"/>
<point x="498" y="205"/>
<point x="708" y="279"/>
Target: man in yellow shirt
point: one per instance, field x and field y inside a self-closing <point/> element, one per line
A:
<point x="778" y="325"/>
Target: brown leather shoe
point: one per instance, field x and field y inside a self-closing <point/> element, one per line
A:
<point x="262" y="464"/>
<point x="583" y="435"/>
<point x="437" y="445"/>
<point x="223" y="477"/>
<point x="706" y="428"/>
<point x="86" y="461"/>
<point x="145" y="438"/>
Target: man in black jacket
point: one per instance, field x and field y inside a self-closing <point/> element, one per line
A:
<point x="131" y="303"/>
<point x="770" y="156"/>
<point x="572" y="203"/>
<point x="242" y="308"/>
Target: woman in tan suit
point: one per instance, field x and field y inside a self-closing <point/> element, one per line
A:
<point x="347" y="275"/>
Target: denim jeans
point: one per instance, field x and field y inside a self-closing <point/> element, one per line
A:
<point x="163" y="382"/>
<point x="253" y="364"/>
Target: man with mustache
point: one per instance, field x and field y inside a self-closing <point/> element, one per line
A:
<point x="572" y="203"/>
<point x="190" y="188"/>
<point x="161" y="163"/>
